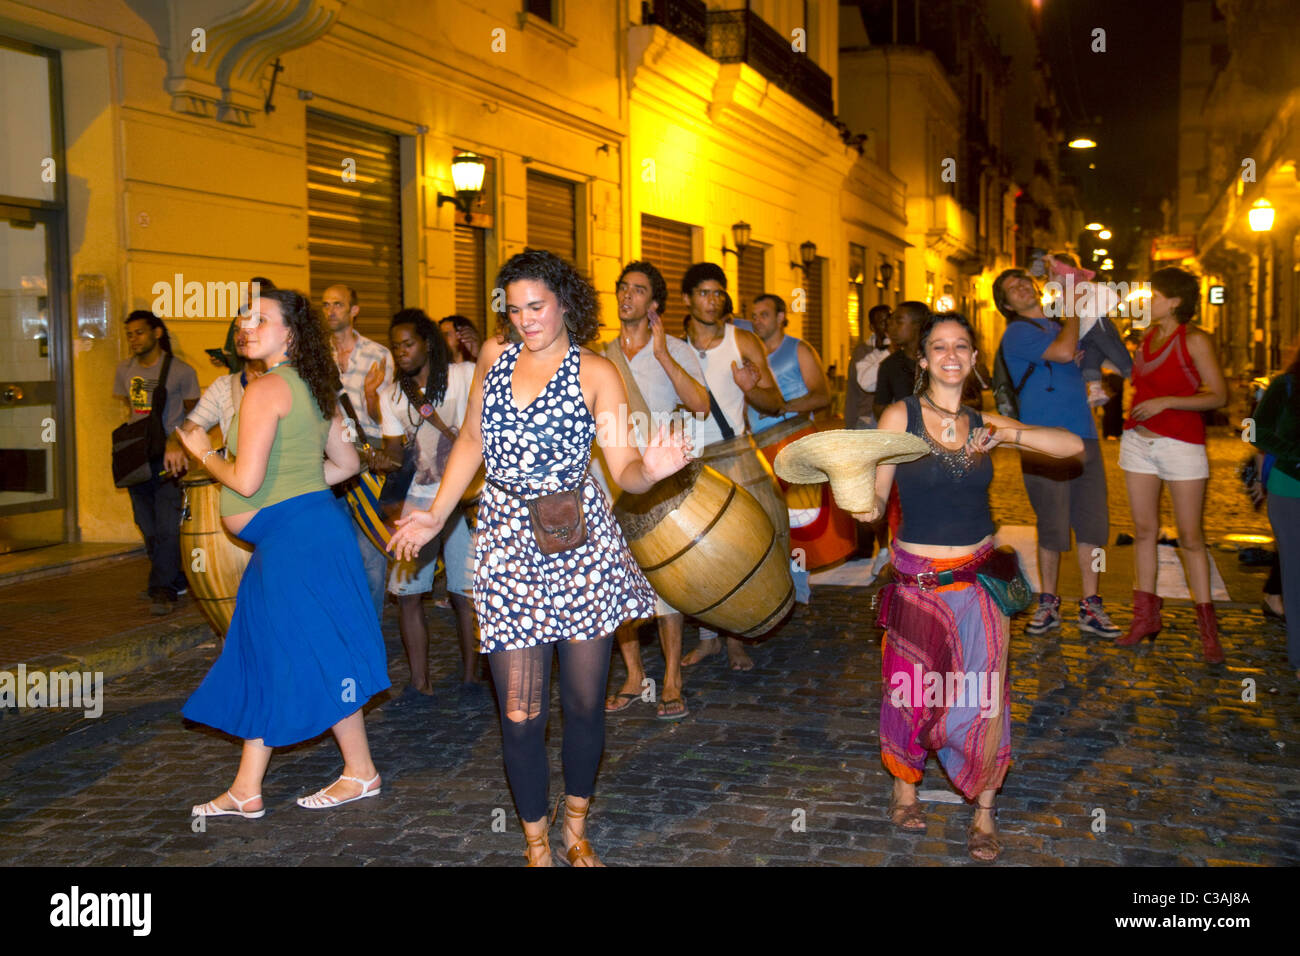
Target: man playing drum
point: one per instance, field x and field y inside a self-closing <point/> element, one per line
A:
<point x="798" y="372"/>
<point x="660" y="372"/>
<point x="736" y="372"/>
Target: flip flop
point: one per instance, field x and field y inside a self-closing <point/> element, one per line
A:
<point x="674" y="715"/>
<point x="624" y="702"/>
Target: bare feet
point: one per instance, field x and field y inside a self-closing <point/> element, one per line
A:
<point x="424" y="689"/>
<point x="707" y="647"/>
<point x="740" y="659"/>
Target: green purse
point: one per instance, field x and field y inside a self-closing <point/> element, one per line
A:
<point x="1002" y="577"/>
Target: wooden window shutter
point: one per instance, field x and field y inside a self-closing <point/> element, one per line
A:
<point x="471" y="277"/>
<point x="753" y="280"/>
<point x="666" y="245"/>
<point x="814" y="322"/>
<point x="552" y="210"/>
<point x="354" y="229"/>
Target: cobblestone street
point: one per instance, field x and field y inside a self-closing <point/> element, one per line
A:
<point x="1120" y="756"/>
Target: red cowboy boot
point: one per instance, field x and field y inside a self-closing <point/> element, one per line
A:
<point x="1146" y="619"/>
<point x="1208" y="625"/>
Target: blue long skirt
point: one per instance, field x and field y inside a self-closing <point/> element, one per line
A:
<point x="304" y="649"/>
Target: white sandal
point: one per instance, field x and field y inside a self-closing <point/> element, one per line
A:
<point x="210" y="809"/>
<point x="320" y="800"/>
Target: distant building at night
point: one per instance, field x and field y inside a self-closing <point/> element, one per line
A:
<point x="1239" y="145"/>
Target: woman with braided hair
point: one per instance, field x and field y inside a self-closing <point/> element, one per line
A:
<point x="421" y="415"/>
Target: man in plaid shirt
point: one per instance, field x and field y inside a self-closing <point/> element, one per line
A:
<point x="365" y="367"/>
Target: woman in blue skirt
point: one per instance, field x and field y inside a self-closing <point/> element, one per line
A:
<point x="304" y="651"/>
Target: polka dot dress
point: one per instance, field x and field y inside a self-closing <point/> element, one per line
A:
<point x="524" y="597"/>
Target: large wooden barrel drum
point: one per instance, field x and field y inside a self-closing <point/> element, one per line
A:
<point x="739" y="459"/>
<point x="824" y="532"/>
<point x="214" y="559"/>
<point x="709" y="549"/>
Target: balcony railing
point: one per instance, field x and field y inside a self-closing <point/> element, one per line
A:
<point x="740" y="36"/>
<point x="687" y="19"/>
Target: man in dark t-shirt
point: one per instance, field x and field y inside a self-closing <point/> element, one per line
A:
<point x="897" y="377"/>
<point x="156" y="503"/>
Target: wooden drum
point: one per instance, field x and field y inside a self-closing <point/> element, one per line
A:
<point x="709" y="549"/>
<point x="214" y="560"/>
<point x="824" y="532"/>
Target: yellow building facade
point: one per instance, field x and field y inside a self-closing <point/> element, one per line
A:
<point x="211" y="141"/>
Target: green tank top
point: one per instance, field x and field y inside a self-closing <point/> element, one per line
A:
<point x="296" y="463"/>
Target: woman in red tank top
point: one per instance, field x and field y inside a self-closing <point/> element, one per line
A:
<point x="1176" y="377"/>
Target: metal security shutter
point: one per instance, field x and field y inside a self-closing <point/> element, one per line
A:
<point x="813" y="320"/>
<point x="752" y="279"/>
<point x="471" y="275"/>
<point x="666" y="245"/>
<point x="354" y="229"/>
<point x="551" y="216"/>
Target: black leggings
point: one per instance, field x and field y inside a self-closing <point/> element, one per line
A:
<point x="523" y="685"/>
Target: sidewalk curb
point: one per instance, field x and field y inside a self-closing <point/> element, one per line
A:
<point x="126" y="652"/>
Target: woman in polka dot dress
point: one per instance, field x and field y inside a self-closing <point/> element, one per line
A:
<point x="534" y="410"/>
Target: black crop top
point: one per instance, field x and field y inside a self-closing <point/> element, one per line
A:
<point x="945" y="495"/>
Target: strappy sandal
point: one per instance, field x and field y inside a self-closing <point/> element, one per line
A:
<point x="908" y="817"/>
<point x="541" y="844"/>
<point x="210" y="809"/>
<point x="320" y="800"/>
<point x="984" y="847"/>
<point x="581" y="852"/>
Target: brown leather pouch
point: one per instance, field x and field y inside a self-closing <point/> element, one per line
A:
<point x="558" y="522"/>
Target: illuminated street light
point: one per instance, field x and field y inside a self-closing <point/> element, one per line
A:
<point x="1094" y="227"/>
<point x="1104" y="234"/>
<point x="1082" y="142"/>
<point x="1108" y="265"/>
<point x="1101" y="252"/>
<point x="467" y="170"/>
<point x="1138" y="294"/>
<point x="1261" y="216"/>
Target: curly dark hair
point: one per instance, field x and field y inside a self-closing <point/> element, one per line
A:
<point x="703" y="272"/>
<point x="435" y="388"/>
<point x="577" y="298"/>
<point x="933" y="319"/>
<point x="155" y="323"/>
<point x="1181" y="285"/>
<point x="658" y="287"/>
<point x="309" y="349"/>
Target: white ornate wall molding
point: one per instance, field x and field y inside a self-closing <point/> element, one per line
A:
<point x="218" y="50"/>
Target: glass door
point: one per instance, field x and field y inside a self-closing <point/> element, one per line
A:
<point x="32" y="493"/>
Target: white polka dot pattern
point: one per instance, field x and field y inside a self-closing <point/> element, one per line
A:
<point x="523" y="597"/>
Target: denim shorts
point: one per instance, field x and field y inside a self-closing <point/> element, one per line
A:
<point x="1171" y="459"/>
<point x="410" y="577"/>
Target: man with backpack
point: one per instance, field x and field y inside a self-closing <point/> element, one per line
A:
<point x="1036" y="370"/>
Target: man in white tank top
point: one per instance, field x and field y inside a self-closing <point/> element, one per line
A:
<point x="735" y="368"/>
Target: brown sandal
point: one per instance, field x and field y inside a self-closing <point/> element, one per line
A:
<point x="580" y="852"/>
<point x="542" y="844"/>
<point x="908" y="817"/>
<point x="984" y="847"/>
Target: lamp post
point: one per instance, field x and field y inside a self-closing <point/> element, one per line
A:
<point x="807" y="255"/>
<point x="1260" y="217"/>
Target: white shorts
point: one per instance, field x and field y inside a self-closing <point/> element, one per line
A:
<point x="1169" y="458"/>
<point x="410" y="577"/>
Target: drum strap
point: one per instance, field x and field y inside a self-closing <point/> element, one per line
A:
<point x="614" y="352"/>
<point x="723" y="425"/>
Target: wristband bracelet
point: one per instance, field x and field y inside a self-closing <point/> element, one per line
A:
<point x="204" y="459"/>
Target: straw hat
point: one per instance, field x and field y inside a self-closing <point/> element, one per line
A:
<point x="847" y="459"/>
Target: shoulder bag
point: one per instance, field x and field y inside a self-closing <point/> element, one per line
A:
<point x="138" y="444"/>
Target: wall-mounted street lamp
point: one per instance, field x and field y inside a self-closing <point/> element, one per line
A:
<point x="467" y="170"/>
<point x="740" y="232"/>
<point x="1261" y="216"/>
<point x="883" y="276"/>
<point x="808" y="255"/>
<point x="1104" y="234"/>
<point x="1094" y="227"/>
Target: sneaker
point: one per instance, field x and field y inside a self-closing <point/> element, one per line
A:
<point x="1093" y="618"/>
<point x="1047" y="617"/>
<point x="164" y="601"/>
<point x="1097" y="395"/>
